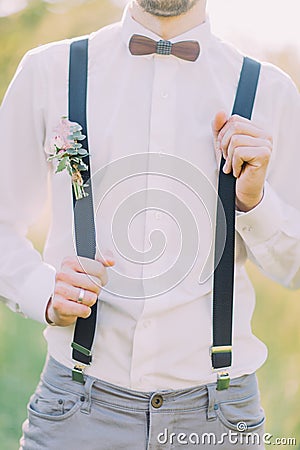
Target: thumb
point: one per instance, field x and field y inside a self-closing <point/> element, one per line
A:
<point x="217" y="125"/>
<point x="219" y="122"/>
<point x="106" y="258"/>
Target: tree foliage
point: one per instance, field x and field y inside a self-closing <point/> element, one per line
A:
<point x="43" y="22"/>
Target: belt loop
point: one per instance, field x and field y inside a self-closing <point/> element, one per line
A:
<point x="211" y="410"/>
<point x="87" y="397"/>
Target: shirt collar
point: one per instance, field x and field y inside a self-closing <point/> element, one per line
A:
<point x="201" y="33"/>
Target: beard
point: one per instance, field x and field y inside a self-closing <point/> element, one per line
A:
<point x="167" y="8"/>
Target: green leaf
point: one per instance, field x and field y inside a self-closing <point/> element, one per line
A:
<point x="82" y="152"/>
<point x="77" y="134"/>
<point x="62" y="165"/>
<point x="71" y="151"/>
<point x="75" y="127"/>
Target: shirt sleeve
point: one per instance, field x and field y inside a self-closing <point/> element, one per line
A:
<point x="271" y="231"/>
<point x="26" y="282"/>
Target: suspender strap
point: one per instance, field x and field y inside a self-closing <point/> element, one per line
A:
<point x="83" y="209"/>
<point x="224" y="272"/>
<point x="85" y="225"/>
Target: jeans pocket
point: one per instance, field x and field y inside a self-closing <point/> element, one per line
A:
<point x="242" y="415"/>
<point x="52" y="403"/>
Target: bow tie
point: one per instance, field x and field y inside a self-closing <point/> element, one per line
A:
<point x="142" y="45"/>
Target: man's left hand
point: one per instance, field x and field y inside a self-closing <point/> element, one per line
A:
<point x="247" y="150"/>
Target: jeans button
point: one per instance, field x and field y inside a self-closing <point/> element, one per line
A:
<point x="157" y="401"/>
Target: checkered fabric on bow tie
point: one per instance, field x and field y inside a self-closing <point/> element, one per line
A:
<point x="142" y="45"/>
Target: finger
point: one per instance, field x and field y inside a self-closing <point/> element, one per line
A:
<point x="107" y="261"/>
<point x="248" y="155"/>
<point x="106" y="257"/>
<point x="89" y="267"/>
<point x="80" y="280"/>
<point x="233" y="121"/>
<point x="65" y="309"/>
<point x="237" y="164"/>
<point x="240" y="126"/>
<point x="85" y="265"/>
<point x="218" y="123"/>
<point x="240" y="140"/>
<point x="72" y="293"/>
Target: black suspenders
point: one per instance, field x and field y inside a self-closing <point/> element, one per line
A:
<point x="85" y="233"/>
<point x="84" y="222"/>
<point x="221" y="349"/>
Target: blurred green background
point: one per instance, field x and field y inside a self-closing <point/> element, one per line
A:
<point x="22" y="347"/>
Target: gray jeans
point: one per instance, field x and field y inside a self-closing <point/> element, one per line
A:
<point x="65" y="415"/>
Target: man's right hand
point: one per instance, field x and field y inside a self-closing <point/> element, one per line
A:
<point x="76" y="274"/>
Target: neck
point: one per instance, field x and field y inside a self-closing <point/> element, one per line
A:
<point x="169" y="27"/>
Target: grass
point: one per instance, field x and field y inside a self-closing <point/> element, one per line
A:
<point x="22" y="351"/>
<point x="276" y="321"/>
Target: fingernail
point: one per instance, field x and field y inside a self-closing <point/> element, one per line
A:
<point x="110" y="262"/>
<point x="107" y="258"/>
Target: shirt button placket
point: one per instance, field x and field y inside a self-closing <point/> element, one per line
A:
<point x="163" y="107"/>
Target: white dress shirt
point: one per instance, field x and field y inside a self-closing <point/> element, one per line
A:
<point x="154" y="332"/>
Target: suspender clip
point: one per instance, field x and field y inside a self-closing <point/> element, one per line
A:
<point x="77" y="373"/>
<point x="223" y="381"/>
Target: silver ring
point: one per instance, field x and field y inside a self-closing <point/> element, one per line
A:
<point x="81" y="296"/>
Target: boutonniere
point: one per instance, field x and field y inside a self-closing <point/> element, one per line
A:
<point x="65" y="147"/>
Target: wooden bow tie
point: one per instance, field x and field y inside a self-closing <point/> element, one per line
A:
<point x="142" y="45"/>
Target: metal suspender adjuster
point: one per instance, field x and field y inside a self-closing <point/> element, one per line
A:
<point x="223" y="381"/>
<point x="77" y="372"/>
<point x="223" y="378"/>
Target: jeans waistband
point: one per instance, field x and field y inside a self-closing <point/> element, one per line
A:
<point x="60" y="377"/>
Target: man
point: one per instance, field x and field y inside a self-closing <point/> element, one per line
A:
<point x="151" y="384"/>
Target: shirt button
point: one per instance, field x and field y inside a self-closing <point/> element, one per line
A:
<point x="157" y="401"/>
<point x="248" y="228"/>
<point x="164" y="95"/>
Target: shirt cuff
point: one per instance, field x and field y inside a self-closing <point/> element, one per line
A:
<point x="262" y="222"/>
<point x="36" y="292"/>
